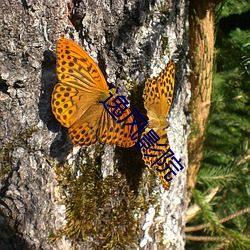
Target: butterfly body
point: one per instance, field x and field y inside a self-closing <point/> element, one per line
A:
<point x="77" y="96"/>
<point x="158" y="123"/>
<point x="105" y="95"/>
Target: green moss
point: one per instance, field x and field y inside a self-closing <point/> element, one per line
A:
<point x="19" y="140"/>
<point x="164" y="45"/>
<point x="130" y="83"/>
<point x="164" y="10"/>
<point x="28" y="133"/>
<point x="5" y="161"/>
<point x="104" y="211"/>
<point x="195" y="129"/>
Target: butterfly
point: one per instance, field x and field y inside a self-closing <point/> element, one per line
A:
<point x="157" y="95"/>
<point x="76" y="100"/>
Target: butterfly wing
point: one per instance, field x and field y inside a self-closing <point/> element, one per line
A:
<point x="116" y="132"/>
<point x="85" y="130"/>
<point x="151" y="155"/>
<point x="158" y="93"/>
<point x="75" y="68"/>
<point x="70" y="104"/>
<point x="98" y="124"/>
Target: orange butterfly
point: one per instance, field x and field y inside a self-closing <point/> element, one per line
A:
<point x="158" y="93"/>
<point x="76" y="100"/>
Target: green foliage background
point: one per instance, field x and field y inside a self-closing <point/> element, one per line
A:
<point x="226" y="153"/>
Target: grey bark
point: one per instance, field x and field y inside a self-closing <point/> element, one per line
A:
<point x="123" y="36"/>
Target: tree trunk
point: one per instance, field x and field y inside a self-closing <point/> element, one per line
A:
<point x="201" y="40"/>
<point x="54" y="196"/>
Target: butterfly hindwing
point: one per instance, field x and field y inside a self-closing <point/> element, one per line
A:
<point x="83" y="134"/>
<point x="151" y="155"/>
<point x="112" y="131"/>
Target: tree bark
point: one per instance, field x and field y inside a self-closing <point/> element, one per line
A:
<point x="201" y="41"/>
<point x="130" y="38"/>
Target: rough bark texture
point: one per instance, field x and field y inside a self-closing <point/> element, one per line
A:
<point x="201" y="40"/>
<point x="123" y="36"/>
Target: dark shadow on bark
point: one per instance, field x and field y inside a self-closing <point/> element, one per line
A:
<point x="3" y="86"/>
<point x="132" y="165"/>
<point x="48" y="81"/>
<point x="130" y="159"/>
<point x="9" y="240"/>
<point x="61" y="144"/>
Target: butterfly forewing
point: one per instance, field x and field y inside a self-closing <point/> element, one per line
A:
<point x="63" y="106"/>
<point x="158" y="92"/>
<point x="70" y="104"/>
<point x="76" y="69"/>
